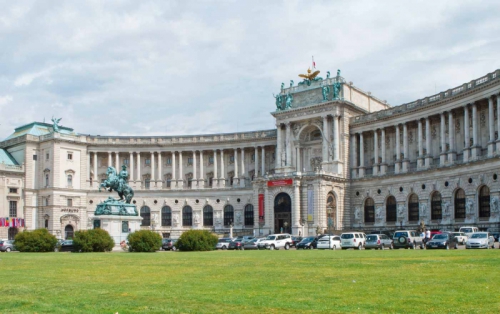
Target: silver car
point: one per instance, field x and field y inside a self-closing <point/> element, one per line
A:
<point x="480" y="240"/>
<point x="7" y="246"/>
<point x="378" y="241"/>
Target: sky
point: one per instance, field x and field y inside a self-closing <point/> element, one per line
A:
<point x="199" y="67"/>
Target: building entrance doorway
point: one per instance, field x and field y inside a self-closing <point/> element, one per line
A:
<point x="282" y="213"/>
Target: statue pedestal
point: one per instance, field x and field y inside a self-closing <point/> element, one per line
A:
<point x="118" y="227"/>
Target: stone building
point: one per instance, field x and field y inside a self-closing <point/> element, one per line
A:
<point x="338" y="159"/>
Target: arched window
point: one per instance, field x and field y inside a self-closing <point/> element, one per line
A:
<point x="228" y="215"/>
<point x="12" y="233"/>
<point x="46" y="224"/>
<point x="46" y="179"/>
<point x="208" y="216"/>
<point x="331" y="211"/>
<point x="146" y="216"/>
<point x="436" y="210"/>
<point x="166" y="216"/>
<point x="68" y="232"/>
<point x="187" y="216"/>
<point x="484" y="202"/>
<point x="390" y="209"/>
<point x="70" y="180"/>
<point x="460" y="203"/>
<point x="369" y="210"/>
<point x="249" y="215"/>
<point x="413" y="212"/>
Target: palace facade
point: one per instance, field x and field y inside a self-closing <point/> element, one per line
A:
<point x="339" y="159"/>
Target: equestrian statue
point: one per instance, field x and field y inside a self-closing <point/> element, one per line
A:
<point x="118" y="182"/>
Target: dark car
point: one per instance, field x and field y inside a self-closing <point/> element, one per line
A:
<point x="308" y="243"/>
<point x="236" y="245"/>
<point x="444" y="240"/>
<point x="7" y="246"/>
<point x="67" y="246"/>
<point x="295" y="241"/>
<point x="168" y="244"/>
<point x="495" y="235"/>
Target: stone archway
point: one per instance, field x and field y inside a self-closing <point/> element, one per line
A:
<point x="282" y="213"/>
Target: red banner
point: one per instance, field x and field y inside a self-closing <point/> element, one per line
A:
<point x="261" y="207"/>
<point x="280" y="182"/>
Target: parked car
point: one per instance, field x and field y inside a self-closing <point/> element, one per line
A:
<point x="331" y="242"/>
<point x="252" y="244"/>
<point x="236" y="245"/>
<point x="67" y="246"/>
<point x="407" y="239"/>
<point x="355" y="240"/>
<point x="295" y="241"/>
<point x="495" y="235"/>
<point x="276" y="241"/>
<point x="444" y="240"/>
<point x="434" y="232"/>
<point x="480" y="240"/>
<point x="468" y="230"/>
<point x="308" y="243"/>
<point x="378" y="241"/>
<point x="7" y="246"/>
<point x="461" y="237"/>
<point x="223" y="243"/>
<point x="244" y="238"/>
<point x="168" y="244"/>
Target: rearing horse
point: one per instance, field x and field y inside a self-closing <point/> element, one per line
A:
<point x="113" y="182"/>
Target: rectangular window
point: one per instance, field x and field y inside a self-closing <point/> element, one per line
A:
<point x="12" y="208"/>
<point x="169" y="183"/>
<point x="231" y="159"/>
<point x="125" y="162"/>
<point x="47" y="156"/>
<point x="210" y="160"/>
<point x="69" y="202"/>
<point x="169" y="161"/>
<point x="12" y="190"/>
<point x="190" y="160"/>
<point x="46" y="201"/>
<point x="253" y="157"/>
<point x="35" y="157"/>
<point x="147" y="183"/>
<point x="70" y="156"/>
<point x="148" y="162"/>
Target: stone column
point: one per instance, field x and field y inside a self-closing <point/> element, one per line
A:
<point x="96" y="177"/>
<point x="201" y="182"/>
<point x="263" y="160"/>
<point x="452" y="154"/>
<point x="278" y="146"/>
<point x="222" y="181"/>
<point x="110" y="161"/>
<point x="117" y="161"/>
<point x="466" y="134"/>
<point x="181" y="171"/>
<point x="174" y="173"/>
<point x="194" y="182"/>
<point x="361" y="156"/>
<point x="420" y="158"/>
<point x="215" y="180"/>
<point x="296" y="207"/>
<point x="397" y="162"/>
<point x="476" y="148"/>
<point x="336" y="138"/>
<point x="375" y="152"/>
<point x="139" y="178"/>
<point x="442" y="156"/>
<point x="491" y="127"/>
<point x="153" y="166"/>
<point x="243" y="173"/>
<point x="383" y="165"/>
<point x="160" y="172"/>
<point x="256" y="160"/>
<point x="299" y="167"/>
<point x="288" y="146"/>
<point x="498" y="123"/>
<point x="325" y="139"/>
<point x="235" y="159"/>
<point x="428" y="156"/>
<point x="354" y="164"/>
<point x="406" y="155"/>
<point x="131" y="168"/>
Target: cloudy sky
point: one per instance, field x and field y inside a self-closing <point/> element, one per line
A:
<point x="196" y="67"/>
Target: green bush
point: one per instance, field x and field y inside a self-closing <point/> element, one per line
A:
<point x="197" y="240"/>
<point x="93" y="240"/>
<point x="144" y="241"/>
<point x="39" y="240"/>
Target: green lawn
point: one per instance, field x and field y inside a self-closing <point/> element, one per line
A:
<point x="399" y="281"/>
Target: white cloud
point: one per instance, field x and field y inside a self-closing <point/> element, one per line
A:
<point x="4" y="100"/>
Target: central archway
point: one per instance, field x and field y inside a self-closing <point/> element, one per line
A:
<point x="282" y="213"/>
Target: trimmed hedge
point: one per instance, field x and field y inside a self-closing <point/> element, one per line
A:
<point x="93" y="240"/>
<point x="144" y="241"/>
<point x="197" y="240"/>
<point x="39" y="240"/>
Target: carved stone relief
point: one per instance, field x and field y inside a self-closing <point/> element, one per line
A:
<point x="410" y="137"/>
<point x="457" y="126"/>
<point x="482" y="118"/>
<point x="433" y="132"/>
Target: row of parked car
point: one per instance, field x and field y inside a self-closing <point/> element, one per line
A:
<point x="400" y="239"/>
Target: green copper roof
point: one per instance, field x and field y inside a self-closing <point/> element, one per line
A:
<point x="6" y="158"/>
<point x="37" y="129"/>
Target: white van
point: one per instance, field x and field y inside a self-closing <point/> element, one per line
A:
<point x="355" y="240"/>
<point x="468" y="230"/>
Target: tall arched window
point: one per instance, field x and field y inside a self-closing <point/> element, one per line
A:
<point x="46" y="179"/>
<point x="187" y="216"/>
<point x="460" y="203"/>
<point x="70" y="180"/>
<point x="12" y="233"/>
<point x="208" y="216"/>
<point x="228" y="215"/>
<point x="166" y="216"/>
<point x="331" y="211"/>
<point x="436" y="210"/>
<point x="68" y="232"/>
<point x="484" y="202"/>
<point x="369" y="210"/>
<point x="249" y="215"/>
<point x="146" y="216"/>
<point x="390" y="209"/>
<point x="413" y="212"/>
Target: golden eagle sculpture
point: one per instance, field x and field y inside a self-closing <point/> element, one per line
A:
<point x="309" y="76"/>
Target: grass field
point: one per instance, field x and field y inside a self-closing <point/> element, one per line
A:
<point x="399" y="281"/>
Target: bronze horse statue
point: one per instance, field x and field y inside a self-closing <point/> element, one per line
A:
<point x="119" y="184"/>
